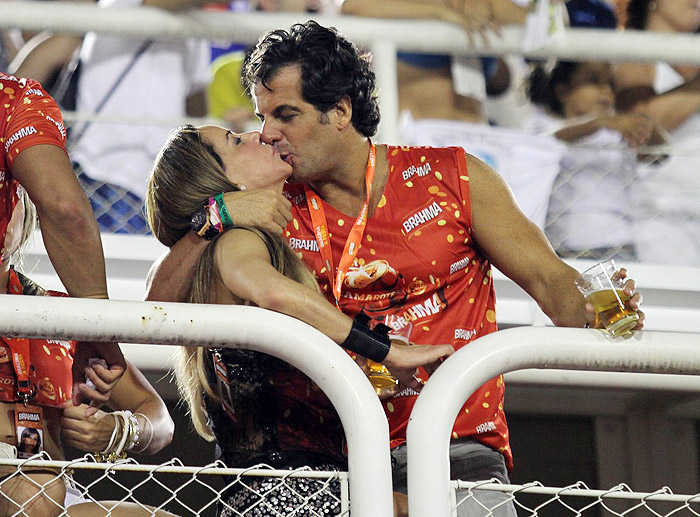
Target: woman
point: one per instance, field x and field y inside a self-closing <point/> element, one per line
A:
<point x="141" y="423"/>
<point x="668" y="217"/>
<point x="288" y="424"/>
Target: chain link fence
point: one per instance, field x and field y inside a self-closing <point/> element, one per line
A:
<point x="577" y="500"/>
<point x="129" y="488"/>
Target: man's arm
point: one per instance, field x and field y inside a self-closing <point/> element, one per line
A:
<point x="519" y="249"/>
<point x="68" y="226"/>
<point x="170" y="276"/>
<point x="72" y="241"/>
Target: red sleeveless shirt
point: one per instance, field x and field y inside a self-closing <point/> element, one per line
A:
<point x="418" y="260"/>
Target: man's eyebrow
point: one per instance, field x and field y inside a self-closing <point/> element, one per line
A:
<point x="285" y="107"/>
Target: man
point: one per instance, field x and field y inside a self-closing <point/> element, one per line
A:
<point x="33" y="154"/>
<point x="437" y="219"/>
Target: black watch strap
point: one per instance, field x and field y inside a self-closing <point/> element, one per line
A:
<point x="372" y="344"/>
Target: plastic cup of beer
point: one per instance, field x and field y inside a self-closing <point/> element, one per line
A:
<point x="385" y="384"/>
<point x="603" y="288"/>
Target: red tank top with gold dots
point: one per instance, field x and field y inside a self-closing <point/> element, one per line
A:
<point x="418" y="261"/>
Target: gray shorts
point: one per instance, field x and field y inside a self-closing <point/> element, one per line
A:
<point x="469" y="461"/>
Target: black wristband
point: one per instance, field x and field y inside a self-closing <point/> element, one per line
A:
<point x="201" y="225"/>
<point x="372" y="344"/>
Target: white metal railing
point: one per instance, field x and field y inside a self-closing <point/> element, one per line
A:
<point x="384" y="37"/>
<point x="366" y="427"/>
<point x="430" y="425"/>
<point x="407" y="35"/>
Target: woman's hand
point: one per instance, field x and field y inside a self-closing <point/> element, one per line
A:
<point x="87" y="433"/>
<point x="403" y="360"/>
<point x="635" y="128"/>
<point x="102" y="375"/>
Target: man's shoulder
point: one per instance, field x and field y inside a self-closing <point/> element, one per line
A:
<point x="408" y="163"/>
<point x="411" y="152"/>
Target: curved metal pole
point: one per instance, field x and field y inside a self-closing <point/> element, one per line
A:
<point x="407" y="35"/>
<point x="430" y="425"/>
<point x="364" y="422"/>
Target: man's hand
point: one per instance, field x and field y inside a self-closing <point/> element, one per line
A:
<point x="103" y="379"/>
<point x="267" y="210"/>
<point x="403" y="360"/>
<point x="87" y="433"/>
<point x="633" y="302"/>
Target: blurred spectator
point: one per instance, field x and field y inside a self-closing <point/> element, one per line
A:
<point x="443" y="101"/>
<point x="591" y="208"/>
<point x="668" y="212"/>
<point x="128" y="79"/>
<point x="43" y="56"/>
<point x="440" y="86"/>
<point x="8" y="49"/>
<point x="11" y="41"/>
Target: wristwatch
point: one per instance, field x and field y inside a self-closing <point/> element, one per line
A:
<point x="201" y="225"/>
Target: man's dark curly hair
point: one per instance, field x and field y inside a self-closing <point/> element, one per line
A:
<point x="331" y="68"/>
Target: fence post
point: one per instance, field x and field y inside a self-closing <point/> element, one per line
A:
<point x="430" y="426"/>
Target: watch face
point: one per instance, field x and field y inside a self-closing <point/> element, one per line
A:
<point x="199" y="218"/>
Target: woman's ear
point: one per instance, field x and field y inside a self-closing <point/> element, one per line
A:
<point x="561" y="92"/>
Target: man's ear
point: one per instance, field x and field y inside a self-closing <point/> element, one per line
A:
<point x="343" y="112"/>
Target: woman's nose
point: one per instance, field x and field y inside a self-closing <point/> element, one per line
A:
<point x="252" y="136"/>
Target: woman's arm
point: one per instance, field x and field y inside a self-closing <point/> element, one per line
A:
<point x="635" y="92"/>
<point x="170" y="276"/>
<point x="244" y="264"/>
<point x="132" y="392"/>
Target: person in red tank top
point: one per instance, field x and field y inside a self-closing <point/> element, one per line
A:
<point x="415" y="239"/>
<point x="45" y="366"/>
<point x="33" y="158"/>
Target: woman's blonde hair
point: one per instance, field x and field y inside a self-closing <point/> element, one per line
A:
<point x="186" y="173"/>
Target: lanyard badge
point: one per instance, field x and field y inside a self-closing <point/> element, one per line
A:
<point x="352" y="245"/>
<point x="29" y="424"/>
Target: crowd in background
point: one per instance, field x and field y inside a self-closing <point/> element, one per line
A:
<point x="565" y="136"/>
